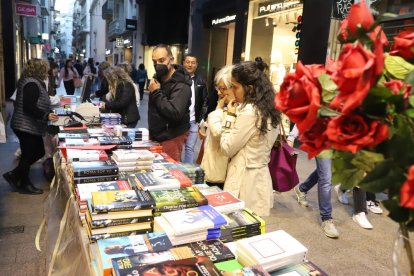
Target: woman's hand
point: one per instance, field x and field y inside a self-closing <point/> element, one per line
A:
<point x="220" y="103"/>
<point x="53" y="117"/>
<point x="232" y="107"/>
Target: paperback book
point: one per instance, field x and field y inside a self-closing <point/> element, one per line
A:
<point x="94" y="168"/>
<point x="112" y="201"/>
<point x="225" y="202"/>
<point x="84" y="191"/>
<point x="74" y="155"/>
<point x="215" y="250"/>
<point x="95" y="216"/>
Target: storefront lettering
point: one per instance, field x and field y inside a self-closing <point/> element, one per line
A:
<point x="341" y="8"/>
<point x="25" y="9"/>
<point x="226" y="19"/>
<point x="275" y="6"/>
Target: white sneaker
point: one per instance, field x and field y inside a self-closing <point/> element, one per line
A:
<point x="362" y="220"/>
<point x="301" y="196"/>
<point x="341" y="195"/>
<point x="374" y="207"/>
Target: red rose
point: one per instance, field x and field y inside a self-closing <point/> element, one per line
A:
<point x="343" y="29"/>
<point x="407" y="190"/>
<point x="403" y="45"/>
<point x="398" y="87"/>
<point x="315" y="140"/>
<point x="359" y="16"/>
<point x="300" y="95"/>
<point x="354" y="132"/>
<point x="378" y="35"/>
<point x="356" y="72"/>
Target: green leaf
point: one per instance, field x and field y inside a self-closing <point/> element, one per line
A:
<point x="366" y="160"/>
<point x="348" y="178"/>
<point x="383" y="176"/>
<point x="396" y="213"/>
<point x="328" y="112"/>
<point x="410" y="113"/>
<point x="329" y="88"/>
<point x="397" y="66"/>
<point x="411" y="100"/>
<point x="410" y="78"/>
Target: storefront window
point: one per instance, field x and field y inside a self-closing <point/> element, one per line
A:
<point x="275" y="36"/>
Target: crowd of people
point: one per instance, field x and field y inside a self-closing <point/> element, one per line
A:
<point x="236" y="123"/>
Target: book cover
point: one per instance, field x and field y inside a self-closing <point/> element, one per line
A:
<point x="95" y="237"/>
<point x="225" y="202"/>
<point x="101" y="223"/>
<point x="191" y="266"/>
<point x="94" y="168"/>
<point x="133" y="155"/>
<point x="229" y="266"/>
<point x="130" y="245"/>
<point x="194" y="219"/>
<point x="80" y="142"/>
<point x="84" y="191"/>
<point x="303" y="269"/>
<point x="121" y="264"/>
<point x="93" y="179"/>
<point x="249" y="271"/>
<point x="157" y="180"/>
<point x="180" y="176"/>
<point x="63" y="136"/>
<point x="114" y="140"/>
<point x="177" y="199"/>
<point x="112" y="201"/>
<point x="215" y="250"/>
<point x="74" y="155"/>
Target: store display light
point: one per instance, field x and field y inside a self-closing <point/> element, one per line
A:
<point x="267" y="22"/>
<point x="274" y="22"/>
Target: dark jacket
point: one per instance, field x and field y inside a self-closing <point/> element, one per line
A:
<point x="103" y="89"/>
<point x="200" y="91"/>
<point x="32" y="107"/>
<point x="168" y="107"/>
<point x="125" y="104"/>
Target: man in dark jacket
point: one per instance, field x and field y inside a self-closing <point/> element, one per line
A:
<point x="198" y="107"/>
<point x="169" y="102"/>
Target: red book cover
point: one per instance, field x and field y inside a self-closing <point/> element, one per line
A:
<point x="221" y="198"/>
<point x="184" y="180"/>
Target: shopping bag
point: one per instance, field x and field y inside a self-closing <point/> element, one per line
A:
<point x="282" y="165"/>
<point x="77" y="82"/>
<point x="2" y="130"/>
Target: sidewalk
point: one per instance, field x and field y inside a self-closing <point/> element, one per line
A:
<point x="356" y="252"/>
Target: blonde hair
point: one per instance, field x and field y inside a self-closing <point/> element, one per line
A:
<point x="224" y="74"/>
<point x="126" y="67"/>
<point x="115" y="76"/>
<point x="103" y="65"/>
<point x="36" y="68"/>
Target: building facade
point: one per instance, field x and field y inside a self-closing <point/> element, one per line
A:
<point x="97" y="31"/>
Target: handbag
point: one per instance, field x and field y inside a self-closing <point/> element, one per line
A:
<point x="282" y="165"/>
<point x="77" y="82"/>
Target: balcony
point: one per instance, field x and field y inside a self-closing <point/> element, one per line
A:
<point x="116" y="28"/>
<point x="107" y="10"/>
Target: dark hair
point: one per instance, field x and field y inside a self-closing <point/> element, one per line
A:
<point x="52" y="65"/>
<point x="141" y="66"/>
<point x="91" y="65"/>
<point x="262" y="95"/>
<point x="190" y="55"/>
<point x="166" y="47"/>
<point x="66" y="67"/>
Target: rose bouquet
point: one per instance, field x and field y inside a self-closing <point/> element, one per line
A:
<point x="362" y="108"/>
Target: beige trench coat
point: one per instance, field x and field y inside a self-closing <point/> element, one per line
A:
<point x="248" y="175"/>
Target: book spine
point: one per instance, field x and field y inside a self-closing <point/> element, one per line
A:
<point x="95" y="171"/>
<point x="84" y="180"/>
<point x="95" y="238"/>
<point x="94" y="224"/>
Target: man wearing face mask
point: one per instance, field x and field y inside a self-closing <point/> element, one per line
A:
<point x="169" y="102"/>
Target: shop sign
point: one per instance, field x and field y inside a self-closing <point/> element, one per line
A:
<point x="119" y="43"/>
<point x="226" y="19"/>
<point x="131" y="24"/>
<point x="26" y="9"/>
<point x="276" y="6"/>
<point x="341" y="8"/>
<point x="35" y="40"/>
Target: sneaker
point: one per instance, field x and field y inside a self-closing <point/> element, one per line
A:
<point x="362" y="220"/>
<point x="374" y="207"/>
<point x="329" y="229"/>
<point x="301" y="197"/>
<point x="341" y="195"/>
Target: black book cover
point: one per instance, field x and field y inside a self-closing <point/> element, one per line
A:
<point x="94" y="168"/>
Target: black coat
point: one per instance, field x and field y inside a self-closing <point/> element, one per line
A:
<point x="168" y="107"/>
<point x="103" y="89"/>
<point x="200" y="91"/>
<point x="125" y="104"/>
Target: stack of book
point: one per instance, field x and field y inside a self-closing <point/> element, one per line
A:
<point x="190" y="225"/>
<point x="119" y="213"/>
<point x="136" y="134"/>
<point x="63" y="136"/>
<point x="177" y="199"/>
<point x="115" y="140"/>
<point x="133" y="160"/>
<point x="241" y="224"/>
<point x="105" y="250"/>
<point x="273" y="251"/>
<point x="70" y="142"/>
<point x="94" y="171"/>
<point x="110" y="118"/>
<point x="194" y="172"/>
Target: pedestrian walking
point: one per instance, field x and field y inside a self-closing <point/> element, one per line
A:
<point x="67" y="74"/>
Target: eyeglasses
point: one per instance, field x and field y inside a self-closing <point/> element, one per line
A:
<point x="222" y="88"/>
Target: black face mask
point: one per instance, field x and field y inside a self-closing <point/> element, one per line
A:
<point x="161" y="70"/>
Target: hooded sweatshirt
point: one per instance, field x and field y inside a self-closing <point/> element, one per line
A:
<point x="168" y="108"/>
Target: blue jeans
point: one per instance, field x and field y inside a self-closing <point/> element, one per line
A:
<point x="322" y="175"/>
<point x="190" y="143"/>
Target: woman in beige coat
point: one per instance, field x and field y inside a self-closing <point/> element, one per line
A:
<point x="249" y="140"/>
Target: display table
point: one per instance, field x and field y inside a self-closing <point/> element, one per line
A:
<point x="67" y="245"/>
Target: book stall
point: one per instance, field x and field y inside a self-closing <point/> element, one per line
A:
<point x="118" y="206"/>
